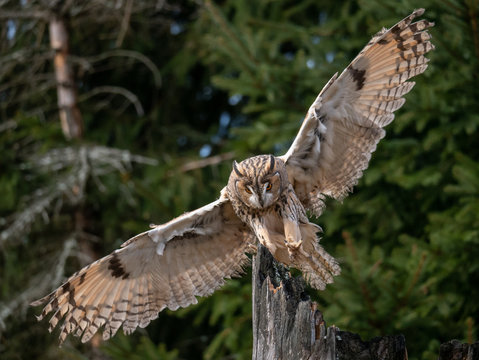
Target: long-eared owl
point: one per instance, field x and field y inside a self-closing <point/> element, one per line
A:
<point x="266" y="200"/>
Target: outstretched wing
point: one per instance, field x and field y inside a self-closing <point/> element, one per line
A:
<point x="167" y="266"/>
<point x="345" y="123"/>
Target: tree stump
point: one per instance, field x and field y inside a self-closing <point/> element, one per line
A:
<point x="455" y="350"/>
<point x="288" y="326"/>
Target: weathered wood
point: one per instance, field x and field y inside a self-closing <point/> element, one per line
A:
<point x="455" y="350"/>
<point x="282" y="314"/>
<point x="288" y="325"/>
<point x="349" y="346"/>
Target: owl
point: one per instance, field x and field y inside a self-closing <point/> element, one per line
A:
<point x="265" y="200"/>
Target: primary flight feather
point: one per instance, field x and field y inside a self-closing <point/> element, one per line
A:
<point x="265" y="200"/>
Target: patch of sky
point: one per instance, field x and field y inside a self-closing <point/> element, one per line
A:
<point x="235" y="99"/>
<point x="205" y="150"/>
<point x="330" y="57"/>
<point x="225" y="119"/>
<point x="176" y="28"/>
<point x="11" y="29"/>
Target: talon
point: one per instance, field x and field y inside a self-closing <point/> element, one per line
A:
<point x="294" y="245"/>
<point x="293" y="248"/>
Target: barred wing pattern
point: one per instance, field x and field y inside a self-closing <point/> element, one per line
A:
<point x="133" y="284"/>
<point x="345" y="123"/>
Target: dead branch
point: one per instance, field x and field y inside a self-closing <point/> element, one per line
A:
<point x="124" y="23"/>
<point x="130" y="54"/>
<point x="199" y="164"/>
<point x="213" y="160"/>
<point x="132" y="98"/>
<point x="25" y="14"/>
<point x="7" y="125"/>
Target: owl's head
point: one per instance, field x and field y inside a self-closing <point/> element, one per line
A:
<point x="258" y="181"/>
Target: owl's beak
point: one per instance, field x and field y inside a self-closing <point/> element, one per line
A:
<point x="256" y="201"/>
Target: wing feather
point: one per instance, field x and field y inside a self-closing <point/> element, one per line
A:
<point x="168" y="266"/>
<point x="345" y="123"/>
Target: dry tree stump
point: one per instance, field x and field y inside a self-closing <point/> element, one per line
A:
<point x="288" y="326"/>
<point x="455" y="350"/>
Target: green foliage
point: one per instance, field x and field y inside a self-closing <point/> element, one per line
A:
<point x="121" y="347"/>
<point x="410" y="231"/>
<point x="231" y="313"/>
<point x="408" y="238"/>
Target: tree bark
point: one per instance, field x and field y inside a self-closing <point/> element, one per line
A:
<point x="287" y="324"/>
<point x="70" y="116"/>
<point x="455" y="350"/>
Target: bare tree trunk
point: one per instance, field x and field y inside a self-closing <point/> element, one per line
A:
<point x="287" y="324"/>
<point x="70" y="116"/>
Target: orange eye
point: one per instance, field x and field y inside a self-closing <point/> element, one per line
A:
<point x="268" y="187"/>
<point x="247" y="190"/>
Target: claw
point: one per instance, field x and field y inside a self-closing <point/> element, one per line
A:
<point x="293" y="247"/>
<point x="292" y="238"/>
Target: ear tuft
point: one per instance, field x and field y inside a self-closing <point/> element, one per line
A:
<point x="271" y="162"/>
<point x="235" y="168"/>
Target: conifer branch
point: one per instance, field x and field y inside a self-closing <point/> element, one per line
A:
<point x="124" y="23"/>
<point x="219" y="19"/>
<point x="79" y="163"/>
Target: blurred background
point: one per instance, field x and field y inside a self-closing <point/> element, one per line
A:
<point x="152" y="102"/>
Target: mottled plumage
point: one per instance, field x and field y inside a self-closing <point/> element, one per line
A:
<point x="266" y="199"/>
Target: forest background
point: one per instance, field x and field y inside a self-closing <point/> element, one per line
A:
<point x="168" y="93"/>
